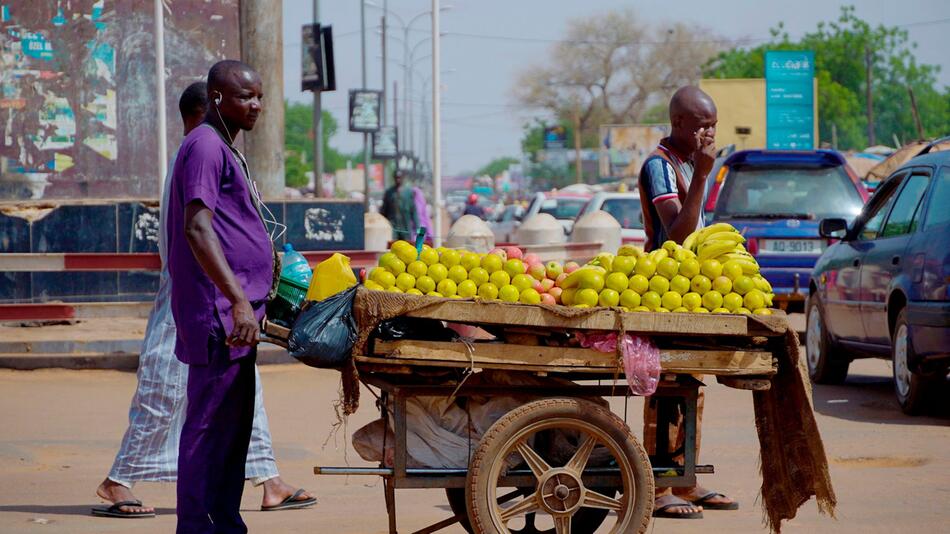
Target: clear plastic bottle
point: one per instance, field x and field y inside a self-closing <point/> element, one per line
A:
<point x="295" y="267"/>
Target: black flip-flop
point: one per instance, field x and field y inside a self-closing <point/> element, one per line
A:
<point x="662" y="511"/>
<point x="116" y="511"/>
<point x="291" y="503"/>
<point x="704" y="502"/>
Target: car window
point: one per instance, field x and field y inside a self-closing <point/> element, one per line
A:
<point x="880" y="205"/>
<point x="939" y="211"/>
<point x="563" y="208"/>
<point x="821" y="192"/>
<point x="625" y="210"/>
<point x="900" y="221"/>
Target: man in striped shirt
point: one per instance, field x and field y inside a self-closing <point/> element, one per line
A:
<point x="672" y="185"/>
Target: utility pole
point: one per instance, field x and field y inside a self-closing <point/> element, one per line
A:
<point x="365" y="135"/>
<point x="869" y="95"/>
<point x="579" y="176"/>
<point x="913" y="107"/>
<point x="382" y="103"/>
<point x="262" y="46"/>
<point x="160" y="95"/>
<point x="436" y="127"/>
<point x="317" y="123"/>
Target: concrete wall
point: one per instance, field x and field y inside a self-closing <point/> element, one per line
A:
<point x="741" y="103"/>
<point x="77" y="91"/>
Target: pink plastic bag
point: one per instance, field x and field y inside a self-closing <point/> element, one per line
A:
<point x="641" y="358"/>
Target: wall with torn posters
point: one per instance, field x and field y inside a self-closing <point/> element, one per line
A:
<point x="78" y="110"/>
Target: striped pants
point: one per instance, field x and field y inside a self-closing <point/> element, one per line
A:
<point x="149" y="450"/>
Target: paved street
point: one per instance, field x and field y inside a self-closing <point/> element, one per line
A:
<point x="61" y="429"/>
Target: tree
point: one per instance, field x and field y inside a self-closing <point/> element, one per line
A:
<point x="496" y="166"/>
<point x="840" y="48"/>
<point x="611" y="68"/>
<point x="298" y="144"/>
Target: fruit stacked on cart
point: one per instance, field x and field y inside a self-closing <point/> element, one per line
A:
<point x="710" y="272"/>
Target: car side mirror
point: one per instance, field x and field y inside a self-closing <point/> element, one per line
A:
<point x="833" y="228"/>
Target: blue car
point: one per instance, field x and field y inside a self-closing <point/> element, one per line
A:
<point x="775" y="199"/>
<point x="883" y="290"/>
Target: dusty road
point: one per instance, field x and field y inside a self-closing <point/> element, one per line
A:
<point x="59" y="431"/>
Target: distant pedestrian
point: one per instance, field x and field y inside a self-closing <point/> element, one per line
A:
<point x="399" y="207"/>
<point x="149" y="450"/>
<point x="472" y="207"/>
<point x="389" y="207"/>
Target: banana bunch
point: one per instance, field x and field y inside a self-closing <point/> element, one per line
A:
<point x="604" y="259"/>
<point x="630" y="250"/>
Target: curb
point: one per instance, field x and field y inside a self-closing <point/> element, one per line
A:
<point x="117" y="361"/>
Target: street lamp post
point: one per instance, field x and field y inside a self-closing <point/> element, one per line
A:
<point x="317" y="124"/>
<point x="436" y="127"/>
<point x="365" y="135"/>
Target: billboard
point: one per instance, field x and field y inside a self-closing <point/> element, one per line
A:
<point x="385" y="144"/>
<point x="364" y="110"/>
<point x="624" y="147"/>
<point x="555" y="137"/>
<point x="790" y="99"/>
<point x="317" y="71"/>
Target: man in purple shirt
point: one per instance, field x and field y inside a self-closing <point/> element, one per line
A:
<point x="221" y="264"/>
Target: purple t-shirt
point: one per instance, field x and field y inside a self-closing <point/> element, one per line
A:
<point x="207" y="171"/>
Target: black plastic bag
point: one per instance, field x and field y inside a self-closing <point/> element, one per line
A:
<point x="324" y="334"/>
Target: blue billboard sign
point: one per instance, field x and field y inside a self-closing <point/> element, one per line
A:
<point x="790" y="99"/>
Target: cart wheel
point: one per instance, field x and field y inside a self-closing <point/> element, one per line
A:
<point x="585" y="521"/>
<point x="559" y="492"/>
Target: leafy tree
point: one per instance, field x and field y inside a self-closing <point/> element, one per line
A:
<point x="298" y="144"/>
<point x="496" y="166"/>
<point x="842" y="48"/>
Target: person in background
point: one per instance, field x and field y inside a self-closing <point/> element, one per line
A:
<point x="390" y="205"/>
<point x="422" y="212"/>
<point x="149" y="449"/>
<point x="672" y="184"/>
<point x="472" y="207"/>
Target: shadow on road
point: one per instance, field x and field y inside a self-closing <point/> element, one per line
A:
<point x="871" y="398"/>
<point x="65" y="509"/>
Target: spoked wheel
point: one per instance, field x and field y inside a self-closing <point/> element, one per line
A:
<point x="559" y="497"/>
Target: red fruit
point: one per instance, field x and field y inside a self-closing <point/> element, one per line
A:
<point x="514" y="253"/>
<point x="500" y="252"/>
<point x="537" y="271"/>
<point x="546" y="285"/>
<point x="548" y="299"/>
<point x="571" y="266"/>
<point x="531" y="258"/>
<point x="560" y="279"/>
<point x="554" y="292"/>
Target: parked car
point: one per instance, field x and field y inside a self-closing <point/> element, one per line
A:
<point x="775" y="199"/>
<point x="505" y="222"/>
<point x="562" y="206"/>
<point x="625" y="207"/>
<point x="883" y="290"/>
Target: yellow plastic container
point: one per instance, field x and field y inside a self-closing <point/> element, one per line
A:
<point x="331" y="276"/>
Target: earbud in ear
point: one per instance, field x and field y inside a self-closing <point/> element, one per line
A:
<point x="217" y="100"/>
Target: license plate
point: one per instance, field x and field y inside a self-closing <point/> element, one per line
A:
<point x="792" y="246"/>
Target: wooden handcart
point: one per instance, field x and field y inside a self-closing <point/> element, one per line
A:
<point x="515" y="474"/>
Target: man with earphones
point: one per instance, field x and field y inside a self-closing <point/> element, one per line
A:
<point x="221" y="263"/>
<point x="149" y="449"/>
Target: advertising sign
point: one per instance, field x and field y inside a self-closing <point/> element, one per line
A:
<point x="624" y="147"/>
<point x="385" y="143"/>
<point x="364" y="110"/>
<point x="555" y="137"/>
<point x="790" y="99"/>
<point x="317" y="72"/>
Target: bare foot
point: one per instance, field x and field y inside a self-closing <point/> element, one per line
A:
<point x="114" y="492"/>
<point x="695" y="493"/>
<point x="276" y="490"/>
<point x="675" y="506"/>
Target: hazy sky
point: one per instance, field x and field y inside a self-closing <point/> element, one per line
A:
<point x="488" y="41"/>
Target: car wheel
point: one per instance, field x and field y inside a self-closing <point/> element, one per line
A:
<point x="913" y="390"/>
<point x="823" y="365"/>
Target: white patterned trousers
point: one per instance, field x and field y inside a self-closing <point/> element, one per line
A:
<point x="149" y="450"/>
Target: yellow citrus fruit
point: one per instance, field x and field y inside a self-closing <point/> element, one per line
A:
<point x="617" y="280"/>
<point x="405" y="281"/>
<point x="585" y="296"/>
<point x="429" y="256"/>
<point x="699" y="310"/>
<point x="712" y="300"/>
<point x="689" y="268"/>
<point x="450" y="258"/>
<point x="711" y="268"/>
<point x="645" y="267"/>
<point x="743" y="285"/>
<point x="404" y="251"/>
<point x="437" y="272"/>
<point x="641" y="309"/>
<point x="417" y="268"/>
<point x="447" y="287"/>
<point x="667" y="268"/>
<point x="500" y="279"/>
<point x="671" y="300"/>
<point x="514" y="267"/>
<point x="720" y="310"/>
<point x="591" y="279"/>
<point x="467" y="289"/>
<point x="509" y="293"/>
<point x="659" y="284"/>
<point x="624" y="264"/>
<point x="492" y="263"/>
<point x="470" y="260"/>
<point x="488" y="291"/>
<point x="413" y="291"/>
<point x="434" y="294"/>
<point x="680" y="284"/>
<point x="457" y="273"/>
<point x="567" y="296"/>
<point x="383" y="277"/>
<point x="639" y="283"/>
<point x="369" y="284"/>
<point x="700" y="284"/>
<point x="763" y="311"/>
<point x="629" y="298"/>
<point x="394" y="289"/>
<point x="609" y="298"/>
<point x="732" y="301"/>
<point x="754" y="299"/>
<point x="425" y="284"/>
<point x="651" y="299"/>
<point x="680" y="310"/>
<point x="522" y="281"/>
<point x="692" y="300"/>
<point x="722" y="284"/>
<point x="661" y="309"/>
<point x="732" y="269"/>
<point x="478" y="275"/>
<point x="744" y="311"/>
<point x="529" y="296"/>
